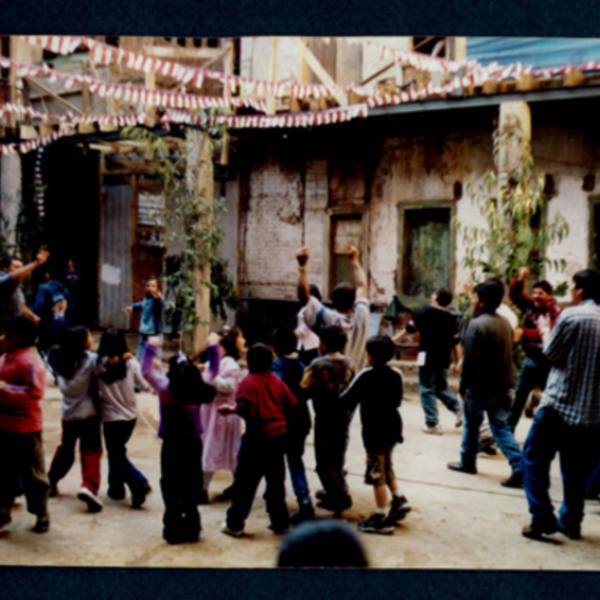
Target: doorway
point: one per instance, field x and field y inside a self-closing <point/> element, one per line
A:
<point x="426" y="252"/>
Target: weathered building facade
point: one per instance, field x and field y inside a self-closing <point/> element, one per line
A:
<point x="393" y="184"/>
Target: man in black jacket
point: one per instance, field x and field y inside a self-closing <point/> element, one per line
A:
<point x="486" y="383"/>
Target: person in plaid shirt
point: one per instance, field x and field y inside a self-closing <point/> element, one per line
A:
<point x="568" y="421"/>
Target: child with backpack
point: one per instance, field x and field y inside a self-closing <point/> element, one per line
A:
<point x="180" y="394"/>
<point x="118" y="374"/>
<point x="80" y="415"/>
<point x="324" y="381"/>
<point x="378" y="390"/>
<point x="264" y="402"/>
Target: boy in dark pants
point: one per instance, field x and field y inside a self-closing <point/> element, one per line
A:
<point x="290" y="370"/>
<point x="264" y="402"/>
<point x="22" y="387"/>
<point x="324" y="381"/>
<point x="378" y="389"/>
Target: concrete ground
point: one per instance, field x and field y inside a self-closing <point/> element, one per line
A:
<point x="458" y="521"/>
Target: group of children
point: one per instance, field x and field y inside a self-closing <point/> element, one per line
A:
<point x="97" y="396"/>
<point x="202" y="410"/>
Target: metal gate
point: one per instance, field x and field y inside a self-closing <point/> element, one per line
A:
<point x="115" y="256"/>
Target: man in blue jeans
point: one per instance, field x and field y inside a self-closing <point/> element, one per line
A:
<point x="439" y="335"/>
<point x="486" y="382"/>
<point x="540" y="312"/>
<point x="568" y="420"/>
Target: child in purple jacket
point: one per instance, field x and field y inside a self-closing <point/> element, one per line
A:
<point x="180" y="394"/>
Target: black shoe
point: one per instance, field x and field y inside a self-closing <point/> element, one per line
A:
<point x="321" y="495"/>
<point x="377" y="523"/>
<point x="54" y="490"/>
<point x="457" y="466"/>
<point x="514" y="481"/>
<point x="42" y="525"/>
<point x="573" y="533"/>
<point x="5" y="519"/>
<point x="227" y="493"/>
<point x="279" y="529"/>
<point x="138" y="499"/>
<point x="203" y="500"/>
<point x="488" y="447"/>
<point x="399" y="509"/>
<point x="337" y="507"/>
<point x="116" y="494"/>
<point x="307" y="513"/>
<point x="537" y="532"/>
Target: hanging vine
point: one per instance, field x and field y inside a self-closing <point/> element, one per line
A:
<point x="191" y="225"/>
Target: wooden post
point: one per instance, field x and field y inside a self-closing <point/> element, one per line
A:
<point x="227" y="94"/>
<point x="150" y="84"/>
<point x="199" y="179"/>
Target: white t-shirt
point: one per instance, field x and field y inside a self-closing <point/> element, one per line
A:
<point x="307" y="339"/>
<point x="505" y="311"/>
<point x="356" y="326"/>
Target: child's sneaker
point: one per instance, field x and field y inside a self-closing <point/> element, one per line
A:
<point x="377" y="523"/>
<point x="399" y="509"/>
<point x="42" y="525"/>
<point x="236" y="534"/>
<point x="433" y="430"/>
<point x="94" y="503"/>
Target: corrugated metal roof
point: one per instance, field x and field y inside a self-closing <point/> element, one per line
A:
<point x="537" y="52"/>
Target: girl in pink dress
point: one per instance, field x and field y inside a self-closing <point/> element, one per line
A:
<point x="222" y="435"/>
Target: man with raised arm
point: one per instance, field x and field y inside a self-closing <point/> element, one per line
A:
<point x="350" y="306"/>
<point x="12" y="272"/>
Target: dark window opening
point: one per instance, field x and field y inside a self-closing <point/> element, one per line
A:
<point x="112" y="40"/>
<point x="197" y="42"/>
<point x="213" y="42"/>
<point x="430" y="45"/>
<point x="181" y="42"/>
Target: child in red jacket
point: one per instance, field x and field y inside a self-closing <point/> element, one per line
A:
<point x="265" y="403"/>
<point x="22" y="387"/>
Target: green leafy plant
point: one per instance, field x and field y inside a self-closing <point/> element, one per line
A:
<point x="190" y="224"/>
<point x="513" y="204"/>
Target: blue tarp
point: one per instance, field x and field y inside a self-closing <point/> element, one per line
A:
<point x="537" y="52"/>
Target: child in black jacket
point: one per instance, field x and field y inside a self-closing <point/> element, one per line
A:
<point x="378" y="389"/>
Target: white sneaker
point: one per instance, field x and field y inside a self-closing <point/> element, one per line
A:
<point x="459" y="419"/>
<point x="93" y="502"/>
<point x="435" y="430"/>
<point x="236" y="534"/>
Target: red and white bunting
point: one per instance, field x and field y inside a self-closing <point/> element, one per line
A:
<point x="35" y="143"/>
<point x="105" y="54"/>
<point x="133" y="93"/>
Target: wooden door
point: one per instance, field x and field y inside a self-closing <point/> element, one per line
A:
<point x="427" y="255"/>
<point x="346" y="230"/>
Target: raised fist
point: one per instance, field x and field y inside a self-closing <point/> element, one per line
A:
<point x="353" y="253"/>
<point x="42" y="256"/>
<point x="523" y="273"/>
<point x="302" y="256"/>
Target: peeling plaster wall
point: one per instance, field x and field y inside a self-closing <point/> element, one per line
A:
<point x="273" y="230"/>
<point x="568" y="156"/>
<point x="291" y="205"/>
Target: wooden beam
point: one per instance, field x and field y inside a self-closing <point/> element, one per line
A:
<point x="183" y="53"/>
<point x="52" y="94"/>
<point x="86" y="88"/>
<point x="321" y="73"/>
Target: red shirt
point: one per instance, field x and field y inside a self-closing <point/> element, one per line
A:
<point x="20" y="400"/>
<point x="263" y="401"/>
